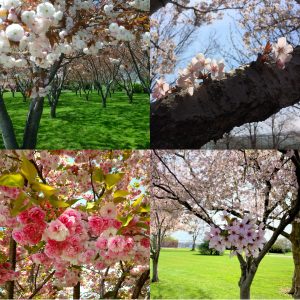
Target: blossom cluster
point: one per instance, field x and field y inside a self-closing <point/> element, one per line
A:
<point x="282" y="52"/>
<point x="31" y="226"/>
<point x="200" y="67"/>
<point x="6" y="274"/>
<point x="65" y="239"/>
<point x="75" y="238"/>
<point x="239" y="236"/>
<point x="51" y="29"/>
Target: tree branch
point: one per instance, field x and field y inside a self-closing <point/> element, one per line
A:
<point x="250" y="94"/>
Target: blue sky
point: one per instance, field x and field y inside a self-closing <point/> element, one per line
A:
<point x="222" y="30"/>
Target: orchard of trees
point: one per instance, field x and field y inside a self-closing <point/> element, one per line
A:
<point x="74" y="224"/>
<point x="83" y="46"/>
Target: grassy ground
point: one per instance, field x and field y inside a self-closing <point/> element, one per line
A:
<point x="187" y="275"/>
<point x="82" y="124"/>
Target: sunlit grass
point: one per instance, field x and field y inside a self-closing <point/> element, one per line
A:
<point x="82" y="124"/>
<point x="185" y="274"/>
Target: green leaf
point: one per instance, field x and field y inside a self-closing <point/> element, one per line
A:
<point x="90" y="205"/>
<point x="58" y="203"/>
<point x="12" y="180"/>
<point x="34" y="249"/>
<point x="144" y="209"/>
<point x="18" y="204"/>
<point x="119" y="200"/>
<point x="142" y="225"/>
<point x="3" y="257"/>
<point x="112" y="179"/>
<point x="121" y="193"/>
<point x="138" y="201"/>
<point x="127" y="220"/>
<point x="47" y="190"/>
<point x="28" y="170"/>
<point x="98" y="175"/>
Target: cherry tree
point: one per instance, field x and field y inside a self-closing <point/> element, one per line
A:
<point x="74" y="219"/>
<point x="44" y="36"/>
<point x="194" y="226"/>
<point x="177" y="117"/>
<point x="164" y="219"/>
<point x="255" y="190"/>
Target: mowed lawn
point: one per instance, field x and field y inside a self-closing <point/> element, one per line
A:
<point x="185" y="274"/>
<point x="82" y="124"/>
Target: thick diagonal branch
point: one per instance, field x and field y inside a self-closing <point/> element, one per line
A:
<point x="250" y="94"/>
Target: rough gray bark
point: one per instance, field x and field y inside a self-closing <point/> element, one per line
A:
<point x="251" y="94"/>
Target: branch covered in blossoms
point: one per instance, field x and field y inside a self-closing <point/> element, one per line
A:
<point x="201" y="68"/>
<point x="266" y="85"/>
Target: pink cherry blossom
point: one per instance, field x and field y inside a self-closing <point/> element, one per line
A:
<point x="282" y="52"/>
<point x="161" y="89"/>
<point x="57" y="231"/>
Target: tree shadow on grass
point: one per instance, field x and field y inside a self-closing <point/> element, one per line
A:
<point x="84" y="124"/>
<point x="177" y="292"/>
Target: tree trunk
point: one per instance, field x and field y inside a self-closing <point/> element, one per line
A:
<point x="292" y="290"/>
<point x="140" y="283"/>
<point x="247" y="95"/>
<point x="155" y="269"/>
<point x="53" y="111"/>
<point x="33" y="123"/>
<point x="76" y="291"/>
<point x="12" y="260"/>
<point x="193" y="246"/>
<point x="130" y="96"/>
<point x="24" y="97"/>
<point x="245" y="292"/>
<point x="295" y="239"/>
<point x="7" y="129"/>
<point x="103" y="102"/>
<point x="248" y="271"/>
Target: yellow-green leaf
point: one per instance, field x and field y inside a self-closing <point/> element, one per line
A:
<point x="112" y="179"/>
<point x="138" y="201"/>
<point x="98" y="175"/>
<point x="28" y="170"/>
<point x="127" y="221"/>
<point x="144" y="209"/>
<point x="47" y="190"/>
<point x="12" y="180"/>
<point x="18" y="204"/>
<point x="119" y="200"/>
<point x="90" y="205"/>
<point x="121" y="193"/>
<point x="58" y="203"/>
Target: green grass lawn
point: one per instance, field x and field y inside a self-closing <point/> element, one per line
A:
<point x="185" y="274"/>
<point x="82" y="124"/>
